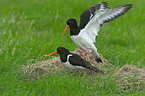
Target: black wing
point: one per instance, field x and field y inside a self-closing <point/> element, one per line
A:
<point x="76" y="60"/>
<point x="101" y="17"/>
<point x="87" y="15"/>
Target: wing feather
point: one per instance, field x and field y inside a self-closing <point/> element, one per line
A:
<point x="88" y="14"/>
<point x="103" y="16"/>
<point x="78" y="61"/>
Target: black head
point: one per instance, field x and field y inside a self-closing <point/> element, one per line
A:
<point x="72" y="23"/>
<point x="62" y="50"/>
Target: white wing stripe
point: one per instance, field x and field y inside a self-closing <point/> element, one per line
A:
<point x="68" y="56"/>
<point x="101" y="17"/>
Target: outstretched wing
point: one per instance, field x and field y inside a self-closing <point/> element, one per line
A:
<point x="88" y="14"/>
<point x="102" y="16"/>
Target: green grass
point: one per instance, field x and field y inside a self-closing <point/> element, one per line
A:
<point x="29" y="29"/>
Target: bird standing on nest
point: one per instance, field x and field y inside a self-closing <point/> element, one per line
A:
<point x="91" y="21"/>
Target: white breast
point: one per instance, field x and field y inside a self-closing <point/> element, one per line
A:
<point x="83" y="41"/>
<point x="67" y="64"/>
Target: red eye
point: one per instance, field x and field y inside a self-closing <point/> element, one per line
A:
<point x="69" y="22"/>
<point x="59" y="49"/>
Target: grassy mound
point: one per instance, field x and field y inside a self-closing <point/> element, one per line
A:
<point x="125" y="77"/>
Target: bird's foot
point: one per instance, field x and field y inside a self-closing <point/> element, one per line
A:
<point x="84" y="72"/>
<point x="84" y="52"/>
<point x="83" y="57"/>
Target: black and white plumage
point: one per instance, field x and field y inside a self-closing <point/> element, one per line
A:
<point x="71" y="60"/>
<point x="91" y="21"/>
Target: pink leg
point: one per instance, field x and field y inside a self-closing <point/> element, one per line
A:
<point x="84" y="52"/>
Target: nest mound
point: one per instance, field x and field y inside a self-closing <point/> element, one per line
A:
<point x="54" y="64"/>
<point x="130" y="76"/>
<point x="124" y="77"/>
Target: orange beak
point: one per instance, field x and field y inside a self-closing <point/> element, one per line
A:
<point x="51" y="54"/>
<point x="67" y="26"/>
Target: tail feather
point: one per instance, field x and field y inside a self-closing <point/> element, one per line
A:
<point x="96" y="55"/>
<point x="99" y="60"/>
<point x="94" y="69"/>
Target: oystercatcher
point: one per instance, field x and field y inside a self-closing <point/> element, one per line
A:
<point x="91" y="21"/>
<point x="73" y="60"/>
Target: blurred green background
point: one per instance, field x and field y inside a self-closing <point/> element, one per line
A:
<point x="30" y="29"/>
